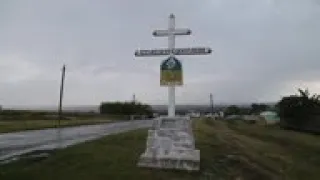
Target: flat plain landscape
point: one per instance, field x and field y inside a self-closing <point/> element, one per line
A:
<point x="229" y="150"/>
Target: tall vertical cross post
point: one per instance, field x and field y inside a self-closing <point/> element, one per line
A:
<point x="171" y="32"/>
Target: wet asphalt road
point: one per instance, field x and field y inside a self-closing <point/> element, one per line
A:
<point x="18" y="143"/>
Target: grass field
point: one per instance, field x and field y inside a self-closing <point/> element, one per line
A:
<point x="228" y="151"/>
<point x="21" y="125"/>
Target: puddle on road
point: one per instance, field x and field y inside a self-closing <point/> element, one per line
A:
<point x="31" y="157"/>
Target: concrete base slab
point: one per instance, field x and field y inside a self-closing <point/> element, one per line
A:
<point x="170" y="145"/>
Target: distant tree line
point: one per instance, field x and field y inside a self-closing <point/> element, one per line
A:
<point x="125" y="108"/>
<point x="254" y="109"/>
<point x="41" y="115"/>
<point x="299" y="112"/>
<point x="25" y="115"/>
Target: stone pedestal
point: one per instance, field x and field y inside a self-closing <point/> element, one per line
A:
<point x="170" y="145"/>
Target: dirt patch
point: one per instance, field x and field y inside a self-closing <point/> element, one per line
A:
<point x="235" y="156"/>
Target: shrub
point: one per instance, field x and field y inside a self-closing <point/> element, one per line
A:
<point x="125" y="108"/>
<point x="300" y="110"/>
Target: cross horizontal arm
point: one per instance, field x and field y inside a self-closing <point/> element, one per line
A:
<point x="160" y="33"/>
<point x="177" y="51"/>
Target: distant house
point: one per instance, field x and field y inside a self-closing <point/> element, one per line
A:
<point x="233" y="117"/>
<point x="217" y="115"/>
<point x="270" y="117"/>
<point x="193" y="114"/>
<point x="221" y="114"/>
<point x="250" y="118"/>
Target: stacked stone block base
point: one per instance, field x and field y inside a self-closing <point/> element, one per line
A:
<point x="170" y="145"/>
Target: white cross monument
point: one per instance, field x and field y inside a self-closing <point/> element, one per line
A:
<point x="171" y="33"/>
<point x="170" y="142"/>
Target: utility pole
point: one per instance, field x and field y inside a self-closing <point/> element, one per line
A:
<point x="134" y="98"/>
<point x="61" y="93"/>
<point x="211" y="103"/>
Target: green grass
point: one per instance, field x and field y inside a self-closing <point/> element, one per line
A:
<point x="296" y="154"/>
<point x="228" y="151"/>
<point x="21" y="125"/>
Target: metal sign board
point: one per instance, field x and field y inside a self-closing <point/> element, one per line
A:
<point x="175" y="32"/>
<point x="171" y="72"/>
<point x="177" y="51"/>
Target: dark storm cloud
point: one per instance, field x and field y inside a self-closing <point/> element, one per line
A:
<point x="262" y="50"/>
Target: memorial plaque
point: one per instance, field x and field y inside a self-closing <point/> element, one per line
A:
<point x="171" y="72"/>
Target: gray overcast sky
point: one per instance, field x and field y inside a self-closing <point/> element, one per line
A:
<point x="263" y="49"/>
